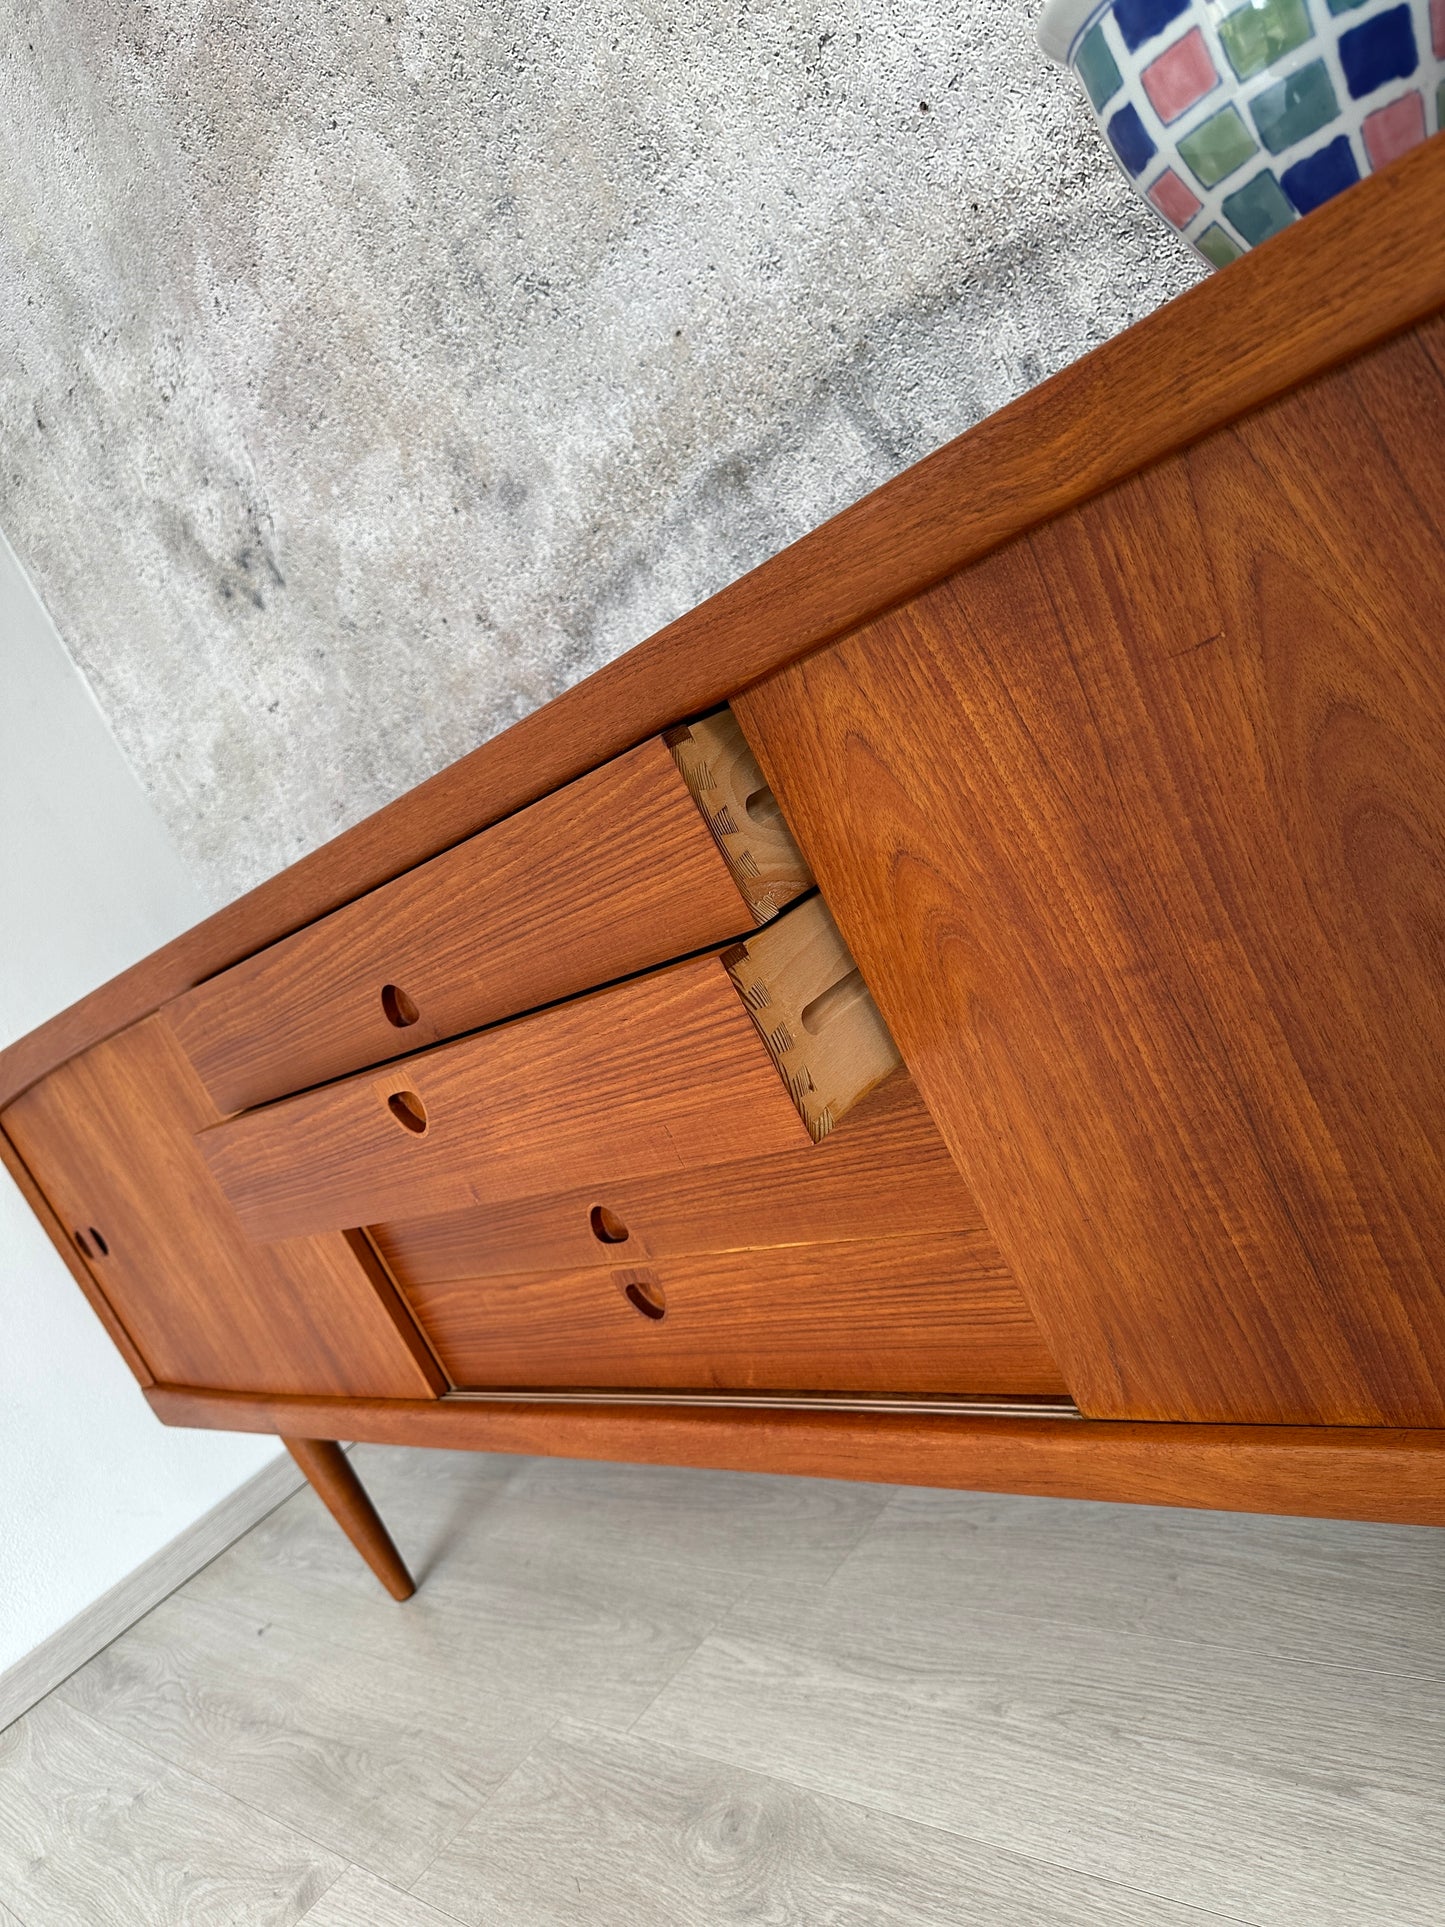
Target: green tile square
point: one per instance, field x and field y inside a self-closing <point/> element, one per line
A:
<point x="1097" y="66"/>
<point x="1215" y="245"/>
<point x="1217" y="146"/>
<point x="1259" y="208"/>
<point x="1255" y="37"/>
<point x="1295" y="107"/>
<point x="1345" y="6"/>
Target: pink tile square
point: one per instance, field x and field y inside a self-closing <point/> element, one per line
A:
<point x="1437" y="27"/>
<point x="1175" y="199"/>
<point x="1392" y="131"/>
<point x="1181" y="75"/>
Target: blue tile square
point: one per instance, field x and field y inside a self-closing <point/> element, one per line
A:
<point x="1379" y="50"/>
<point x="1131" y="139"/>
<point x="1318" y="178"/>
<point x="1140" y="20"/>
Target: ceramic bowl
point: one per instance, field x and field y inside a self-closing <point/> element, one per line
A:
<point x="1233" y="121"/>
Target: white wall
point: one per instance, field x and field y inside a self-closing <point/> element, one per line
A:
<point x="91" y="1484"/>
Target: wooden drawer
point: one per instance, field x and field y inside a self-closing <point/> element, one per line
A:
<point x="860" y="1264"/>
<point x="902" y="1315"/>
<point x="672" y="848"/>
<point x="887" y="1175"/>
<point x="668" y="1073"/>
<point x="660" y="1075"/>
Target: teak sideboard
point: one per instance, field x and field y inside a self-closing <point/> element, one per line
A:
<point x="965" y="1006"/>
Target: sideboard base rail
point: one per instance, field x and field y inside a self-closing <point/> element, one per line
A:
<point x="1323" y="1472"/>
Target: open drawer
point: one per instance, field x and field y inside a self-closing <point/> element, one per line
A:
<point x="712" y="1061"/>
<point x="672" y="848"/>
<point x="888" y="1174"/>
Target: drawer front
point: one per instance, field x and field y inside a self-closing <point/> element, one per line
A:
<point x="661" y="1075"/>
<point x="677" y="1071"/>
<point x="888" y="1175"/>
<point x="903" y="1315"/>
<point x="110" y="1140"/>
<point x="650" y="857"/>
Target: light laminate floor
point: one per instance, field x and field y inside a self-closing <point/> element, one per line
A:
<point x="627" y="1696"/>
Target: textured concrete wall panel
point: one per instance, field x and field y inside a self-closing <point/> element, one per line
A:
<point x="368" y="373"/>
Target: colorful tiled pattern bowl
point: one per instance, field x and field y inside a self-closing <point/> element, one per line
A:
<point x="1235" y="120"/>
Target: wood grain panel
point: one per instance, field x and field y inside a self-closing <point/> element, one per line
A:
<point x="110" y="1138"/>
<point x="660" y="1075"/>
<point x="887" y="1175"/>
<point x="331" y="1477"/>
<point x="1359" y="270"/>
<point x="79" y="1270"/>
<point x="612" y="875"/>
<point x="96" y="1828"/>
<point x="645" y="1828"/>
<point x="904" y="1315"/>
<point x="1313" y="1472"/>
<point x="1136" y="831"/>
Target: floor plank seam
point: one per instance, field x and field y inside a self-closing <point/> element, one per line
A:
<point x="980" y="1841"/>
<point x="556" y="1690"/>
<point x="719" y="1619"/>
<point x="1306" y="1663"/>
<point x="401" y="1893"/>
<point x="201" y="1787"/>
<point x="278" y="1471"/>
<point x="330" y="1886"/>
<point x="687" y="1660"/>
<point x="197" y="1778"/>
<point x="542" y="1740"/>
<point x="1192" y="1641"/>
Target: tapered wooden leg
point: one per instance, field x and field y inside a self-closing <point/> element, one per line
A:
<point x="344" y="1496"/>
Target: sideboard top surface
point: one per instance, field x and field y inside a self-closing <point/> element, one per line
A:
<point x="1358" y="271"/>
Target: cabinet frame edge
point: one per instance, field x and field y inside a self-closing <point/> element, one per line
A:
<point x="1325" y="1472"/>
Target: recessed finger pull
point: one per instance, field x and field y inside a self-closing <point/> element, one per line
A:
<point x="397" y="1006"/>
<point x="607" y="1227"/>
<point x="91" y="1244"/>
<point x="408" y="1110"/>
<point x="643" y="1291"/>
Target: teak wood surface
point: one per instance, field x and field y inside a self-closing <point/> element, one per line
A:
<point x="1313" y="1472"/>
<point x="888" y="1175"/>
<point x="1356" y="272"/>
<point x="659" y="1075"/>
<point x="1128" y="747"/>
<point x="113" y="1133"/>
<point x="344" y="1497"/>
<point x="612" y="875"/>
<point x="1137" y="829"/>
<point x="77" y="1266"/>
<point x="904" y="1315"/>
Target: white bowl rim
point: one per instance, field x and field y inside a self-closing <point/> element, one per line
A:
<point x="1061" y="23"/>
